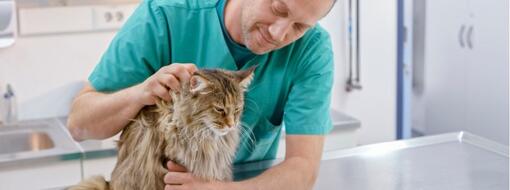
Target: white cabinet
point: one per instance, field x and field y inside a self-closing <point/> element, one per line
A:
<point x="99" y="166"/>
<point x="466" y="68"/>
<point x="445" y="63"/>
<point x="34" y="175"/>
<point x="100" y="157"/>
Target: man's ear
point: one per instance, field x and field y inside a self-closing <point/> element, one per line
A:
<point x="246" y="76"/>
<point x="198" y="84"/>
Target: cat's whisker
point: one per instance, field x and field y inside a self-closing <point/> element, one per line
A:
<point x="250" y="108"/>
<point x="246" y="131"/>
<point x="253" y="86"/>
<point x="248" y="100"/>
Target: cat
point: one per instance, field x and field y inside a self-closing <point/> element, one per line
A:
<point x="198" y="129"/>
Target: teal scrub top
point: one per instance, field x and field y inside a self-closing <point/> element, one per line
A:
<point x="291" y="85"/>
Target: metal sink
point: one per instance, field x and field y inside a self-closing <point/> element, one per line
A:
<point x="25" y="141"/>
<point x="35" y="139"/>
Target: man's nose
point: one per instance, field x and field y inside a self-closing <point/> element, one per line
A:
<point x="279" y="29"/>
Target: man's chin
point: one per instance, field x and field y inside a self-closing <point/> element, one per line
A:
<point x="258" y="50"/>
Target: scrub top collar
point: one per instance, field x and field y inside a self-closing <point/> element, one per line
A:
<point x="239" y="52"/>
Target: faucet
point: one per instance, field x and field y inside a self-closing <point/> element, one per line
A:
<point x="10" y="113"/>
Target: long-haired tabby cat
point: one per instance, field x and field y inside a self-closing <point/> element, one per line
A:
<point x="198" y="129"/>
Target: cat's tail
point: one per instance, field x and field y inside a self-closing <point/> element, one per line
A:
<point x="93" y="183"/>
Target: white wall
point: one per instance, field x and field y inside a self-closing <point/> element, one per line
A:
<point x="38" y="64"/>
<point x="375" y="104"/>
<point x="335" y="23"/>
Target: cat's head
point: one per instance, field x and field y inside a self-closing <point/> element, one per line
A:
<point x="217" y="98"/>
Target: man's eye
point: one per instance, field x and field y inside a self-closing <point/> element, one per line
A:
<point x="278" y="10"/>
<point x="299" y="27"/>
<point x="275" y="12"/>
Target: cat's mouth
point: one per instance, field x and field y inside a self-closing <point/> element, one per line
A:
<point x="220" y="131"/>
<point x="217" y="128"/>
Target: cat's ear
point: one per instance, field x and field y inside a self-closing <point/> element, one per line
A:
<point x="198" y="84"/>
<point x="246" y="76"/>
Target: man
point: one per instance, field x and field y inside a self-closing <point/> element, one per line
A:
<point x="292" y="83"/>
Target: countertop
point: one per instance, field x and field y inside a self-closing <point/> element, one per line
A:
<point x="455" y="161"/>
<point x="449" y="161"/>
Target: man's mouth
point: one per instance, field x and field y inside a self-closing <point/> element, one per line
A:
<point x="265" y="36"/>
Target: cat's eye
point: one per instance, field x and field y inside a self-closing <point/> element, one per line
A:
<point x="219" y="110"/>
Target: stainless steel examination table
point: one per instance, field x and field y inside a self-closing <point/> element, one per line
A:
<point x="454" y="161"/>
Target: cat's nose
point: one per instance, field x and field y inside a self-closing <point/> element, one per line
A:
<point x="230" y="122"/>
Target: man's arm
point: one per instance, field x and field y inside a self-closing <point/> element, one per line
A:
<point x="299" y="170"/>
<point x="97" y="115"/>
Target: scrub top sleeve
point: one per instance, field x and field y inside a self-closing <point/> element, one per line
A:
<point x="307" y="109"/>
<point x="139" y="49"/>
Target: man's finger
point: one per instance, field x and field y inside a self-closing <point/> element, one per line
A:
<point x="162" y="93"/>
<point x="177" y="178"/>
<point x="174" y="187"/>
<point x="173" y="167"/>
<point x="190" y="67"/>
<point x="183" y="76"/>
<point x="169" y="81"/>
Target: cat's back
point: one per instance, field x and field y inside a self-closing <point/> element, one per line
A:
<point x="141" y="144"/>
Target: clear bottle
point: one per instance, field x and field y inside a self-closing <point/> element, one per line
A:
<point x="9" y="107"/>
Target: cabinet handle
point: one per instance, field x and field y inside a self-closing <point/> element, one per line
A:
<point x="469" y="37"/>
<point x="461" y="35"/>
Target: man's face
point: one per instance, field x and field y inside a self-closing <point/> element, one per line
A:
<point x="267" y="25"/>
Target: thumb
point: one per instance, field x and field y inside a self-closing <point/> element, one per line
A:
<point x="172" y="166"/>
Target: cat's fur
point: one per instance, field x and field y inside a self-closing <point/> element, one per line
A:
<point x="191" y="130"/>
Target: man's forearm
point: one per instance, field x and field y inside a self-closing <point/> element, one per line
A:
<point x="294" y="173"/>
<point x="299" y="170"/>
<point x="96" y="115"/>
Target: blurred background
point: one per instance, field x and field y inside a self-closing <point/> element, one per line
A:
<point x="403" y="69"/>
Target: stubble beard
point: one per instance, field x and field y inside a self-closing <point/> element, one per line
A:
<point x="246" y="29"/>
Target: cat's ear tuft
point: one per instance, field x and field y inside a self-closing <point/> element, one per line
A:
<point x="198" y="84"/>
<point x="246" y="76"/>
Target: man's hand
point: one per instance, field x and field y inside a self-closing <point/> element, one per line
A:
<point x="98" y="115"/>
<point x="158" y="85"/>
<point x="178" y="178"/>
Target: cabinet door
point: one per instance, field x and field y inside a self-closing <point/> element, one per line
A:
<point x="445" y="60"/>
<point x="466" y="67"/>
<point x="99" y="166"/>
<point x="487" y="70"/>
<point x="41" y="175"/>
